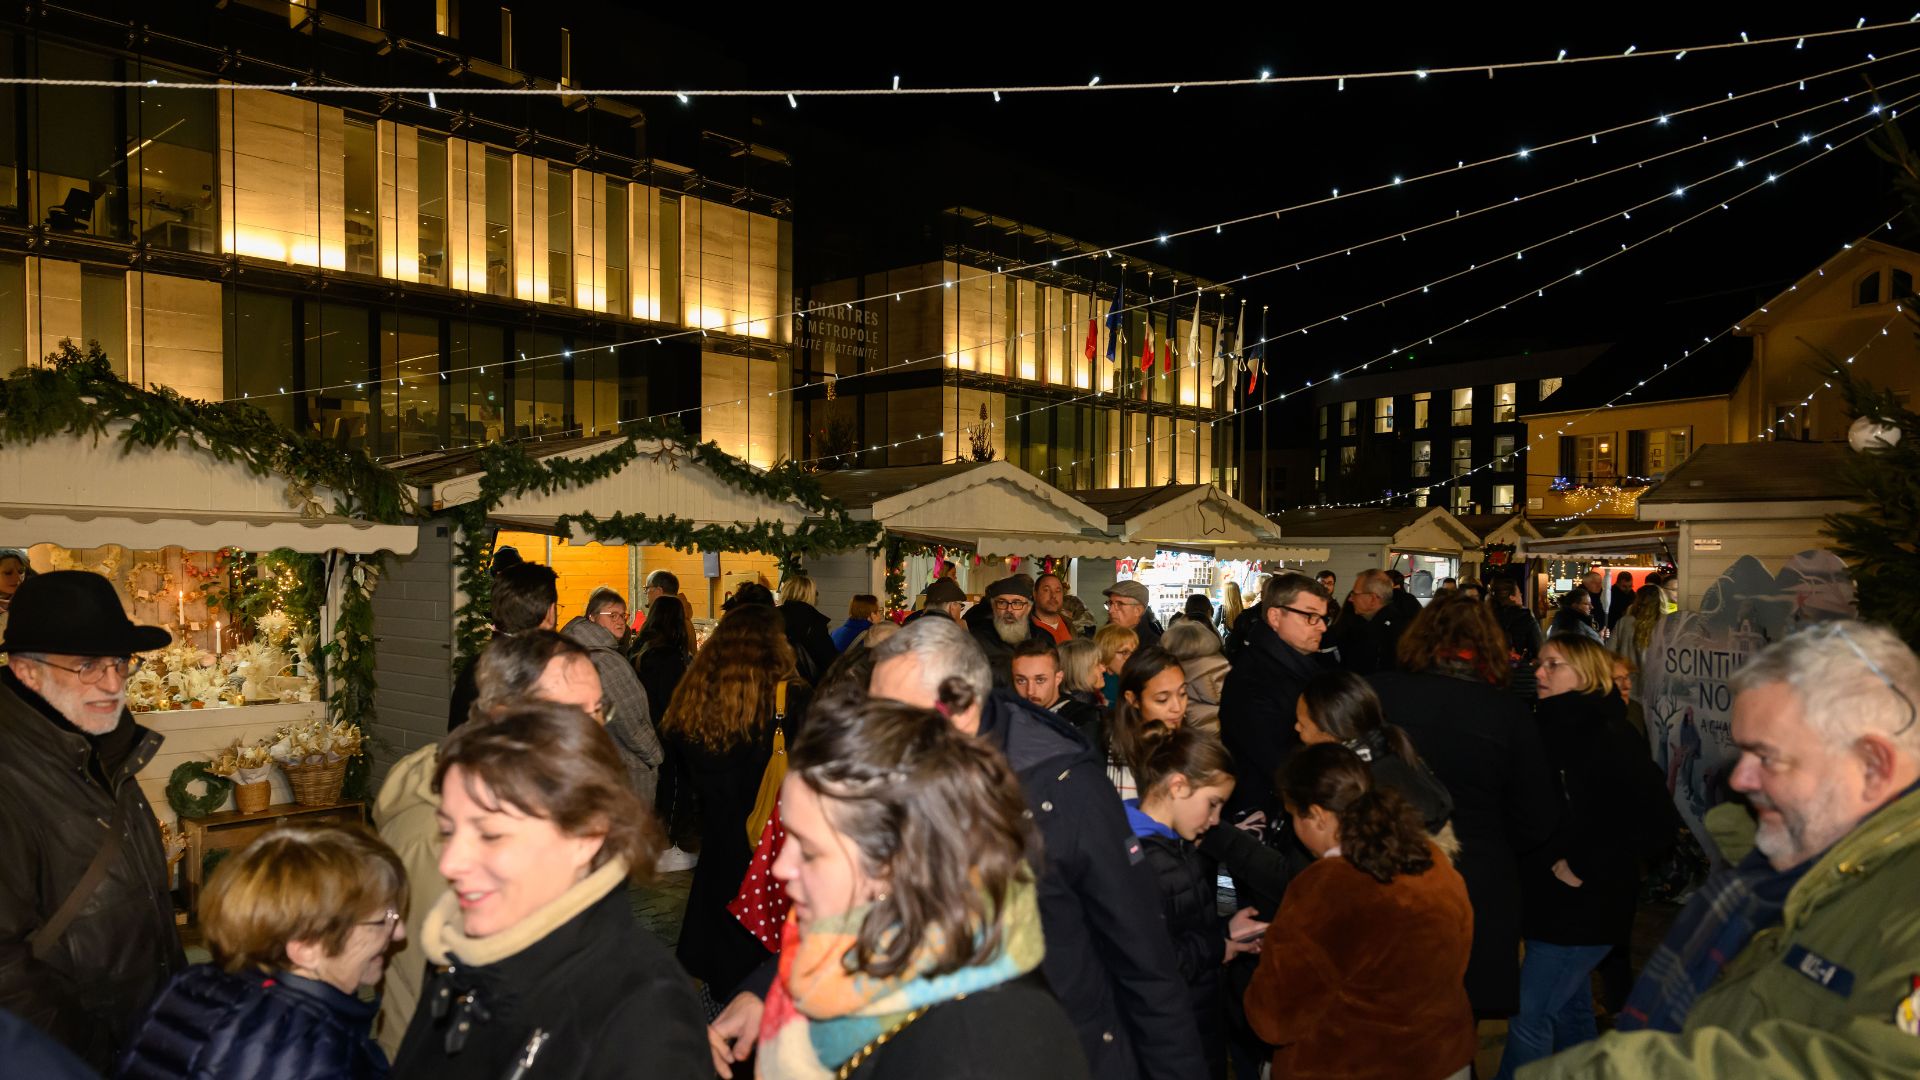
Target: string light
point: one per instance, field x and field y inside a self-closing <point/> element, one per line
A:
<point x="1093" y="84"/>
<point x="1349" y="249"/>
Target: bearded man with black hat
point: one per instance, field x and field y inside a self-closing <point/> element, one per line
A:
<point x="86" y="922"/>
<point x="1001" y="621"/>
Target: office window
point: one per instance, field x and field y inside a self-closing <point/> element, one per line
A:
<point x="103" y="313"/>
<point x="1326" y="413"/>
<point x="1595" y="459"/>
<point x="259" y="351"/>
<point x="1666" y="448"/>
<point x="362" y="191"/>
<point x="1349" y="418"/>
<point x="1382" y="415"/>
<point x="506" y="37"/>
<point x="1422" y="409"/>
<point x="446" y="18"/>
<point x="1348" y="455"/>
<point x="1503" y="456"/>
<point x="433" y="209"/>
<point x="1420" y="497"/>
<point x="79" y="168"/>
<point x="499" y="223"/>
<point x="616" y="253"/>
<point x="1462" y="499"/>
<point x="1463" y="407"/>
<point x="1549" y="387"/>
<point x="559" y="235"/>
<point x="1868" y="291"/>
<point x="1503" y="498"/>
<point x="1505" y="403"/>
<point x="1320" y="471"/>
<point x="336" y="360"/>
<point x="1462" y="456"/>
<point x="1423" y="458"/>
<point x="171" y="143"/>
<point x="413" y="406"/>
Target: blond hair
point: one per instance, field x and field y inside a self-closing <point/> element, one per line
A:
<point x="1589" y="659"/>
<point x="1110" y="639"/>
<point x="799" y="587"/>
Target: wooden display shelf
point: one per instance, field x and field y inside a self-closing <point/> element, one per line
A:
<point x="229" y="829"/>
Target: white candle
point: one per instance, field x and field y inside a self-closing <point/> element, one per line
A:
<point x="216" y="637"/>
<point x="182" y="595"/>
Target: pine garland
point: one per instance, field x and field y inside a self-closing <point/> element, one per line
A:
<point x="79" y="394"/>
<point x="510" y="471"/>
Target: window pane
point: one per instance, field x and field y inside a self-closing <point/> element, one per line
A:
<point x="1503" y="456"/>
<point x="1463" y="406"/>
<point x="170" y="150"/>
<point x="80" y="170"/>
<point x="1422" y="409"/>
<point x="1326" y="412"/>
<point x="1548" y="387"/>
<point x="617" y="294"/>
<point x="1382" y="415"/>
<point x="13" y="313"/>
<point x="1596" y="456"/>
<point x="1349" y="412"/>
<point x="1900" y="285"/>
<point x="362" y="199"/>
<point x="1504" y="403"/>
<point x="103" y="313"/>
<point x="1462" y="456"/>
<point x="1869" y="289"/>
<point x="559" y="235"/>
<point x="259" y="350"/>
<point x="413" y="404"/>
<point x="1503" y="498"/>
<point x="433" y="209"/>
<point x="539" y="386"/>
<point x="337" y="359"/>
<point x="1462" y="499"/>
<point x="1423" y="458"/>
<point x="476" y="403"/>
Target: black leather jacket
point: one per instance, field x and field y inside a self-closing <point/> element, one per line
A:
<point x="59" y="790"/>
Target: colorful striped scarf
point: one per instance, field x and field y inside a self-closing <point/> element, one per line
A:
<point x="819" y="1014"/>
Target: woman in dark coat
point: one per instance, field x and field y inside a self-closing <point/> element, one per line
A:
<point x="536" y="959"/>
<point x="722" y="718"/>
<point x="1580" y="888"/>
<point x="1339" y="706"/>
<point x="1451" y="699"/>
<point x="297" y="921"/>
<point x="806" y="627"/>
<point x="665" y="649"/>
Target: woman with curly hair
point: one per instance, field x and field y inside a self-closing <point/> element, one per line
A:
<point x="721" y="720"/>
<point x="1634" y="632"/>
<point x="1450" y="697"/>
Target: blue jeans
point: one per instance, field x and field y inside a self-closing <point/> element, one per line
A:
<point x="1556" y="1003"/>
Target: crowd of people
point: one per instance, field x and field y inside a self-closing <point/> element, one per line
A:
<point x="990" y="842"/>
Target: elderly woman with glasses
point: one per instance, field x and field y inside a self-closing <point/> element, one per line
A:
<point x="1580" y="889"/>
<point x="298" y="922"/>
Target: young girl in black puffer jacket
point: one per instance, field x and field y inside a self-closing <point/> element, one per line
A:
<point x="1184" y="777"/>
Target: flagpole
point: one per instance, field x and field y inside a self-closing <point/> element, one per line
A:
<point x="1239" y="422"/>
<point x="1264" y="420"/>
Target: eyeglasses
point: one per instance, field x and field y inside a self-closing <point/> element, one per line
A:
<point x="392" y="916"/>
<point x="93" y="670"/>
<point x="1551" y="665"/>
<point x="1010" y="603"/>
<point x="1840" y="631"/>
<point x="610" y="613"/>
<point x="1121" y="601"/>
<point x="1313" y="618"/>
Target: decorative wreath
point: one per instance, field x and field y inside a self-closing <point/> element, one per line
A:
<point x="186" y="803"/>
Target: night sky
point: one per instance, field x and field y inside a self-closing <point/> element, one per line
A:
<point x="871" y="174"/>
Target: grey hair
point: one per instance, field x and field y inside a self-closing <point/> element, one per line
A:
<point x="944" y="649"/>
<point x="1850" y="677"/>
<point x="1375" y="583"/>
<point x="1079" y="658"/>
<point x="1190" y="640"/>
<point x="603" y="598"/>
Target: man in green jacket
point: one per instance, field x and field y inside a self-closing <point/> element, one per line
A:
<point x="1804" y="959"/>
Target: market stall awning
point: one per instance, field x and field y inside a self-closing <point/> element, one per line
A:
<point x="1420" y="530"/>
<point x="1271" y="553"/>
<point x="81" y="491"/>
<point x="1500" y="528"/>
<point x="1645" y="541"/>
<point x="662" y="480"/>
<point x="94" y="526"/>
<point x="966" y="499"/>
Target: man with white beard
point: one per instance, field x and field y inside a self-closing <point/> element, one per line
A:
<point x="1803" y="959"/>
<point x="1001" y="621"/>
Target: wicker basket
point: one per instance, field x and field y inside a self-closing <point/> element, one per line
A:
<point x="316" y="785"/>
<point x="252" y="798"/>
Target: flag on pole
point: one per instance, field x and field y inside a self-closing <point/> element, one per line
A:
<point x="1219" y="347"/>
<point x="1193" y="333"/>
<point x="1093" y="320"/>
<point x="1146" y="350"/>
<point x="1173" y="331"/>
<point x="1115" y="312"/>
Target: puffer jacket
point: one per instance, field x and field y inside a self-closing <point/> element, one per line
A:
<point x="1206" y="677"/>
<point x="58" y="790"/>
<point x="631" y="722"/>
<point x="406" y="814"/>
<point x="1189" y="899"/>
<point x="211" y="1024"/>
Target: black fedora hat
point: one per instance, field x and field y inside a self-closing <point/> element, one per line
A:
<point x="75" y="613"/>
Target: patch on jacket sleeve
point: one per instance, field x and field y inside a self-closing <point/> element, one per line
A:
<point x="1136" y="854"/>
<point x="1906" y="1015"/>
<point x="1819" y="969"/>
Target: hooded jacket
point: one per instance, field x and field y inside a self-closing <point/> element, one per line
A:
<point x="631" y="723"/>
<point x="609" y="1000"/>
<point x="59" y="790"/>
<point x="403" y="813"/>
<point x="1189" y="897"/>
